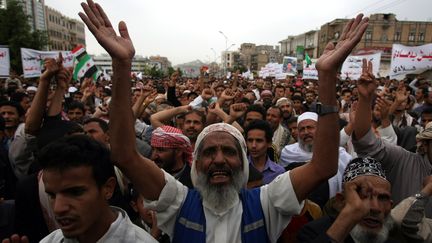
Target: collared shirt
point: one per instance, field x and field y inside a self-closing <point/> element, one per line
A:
<point x="271" y="170"/>
<point x="121" y="230"/>
<point x="278" y="200"/>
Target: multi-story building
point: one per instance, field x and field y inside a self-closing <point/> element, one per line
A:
<point x="254" y="57"/>
<point x="297" y="46"/>
<point x="383" y="31"/>
<point x="35" y="10"/>
<point x="161" y="62"/>
<point x="63" y="33"/>
<point x="104" y="62"/>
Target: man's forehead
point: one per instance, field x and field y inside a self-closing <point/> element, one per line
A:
<point x="307" y="122"/>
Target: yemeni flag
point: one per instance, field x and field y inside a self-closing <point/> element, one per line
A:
<point x="308" y="60"/>
<point x="84" y="66"/>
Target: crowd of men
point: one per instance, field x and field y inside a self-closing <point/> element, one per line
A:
<point x="212" y="160"/>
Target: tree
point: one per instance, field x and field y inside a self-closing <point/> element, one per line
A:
<point x="16" y="33"/>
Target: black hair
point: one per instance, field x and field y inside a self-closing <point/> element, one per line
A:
<point x="291" y="120"/>
<point x="74" y="105"/>
<point x="277" y="108"/>
<point x="199" y="113"/>
<point x="17" y="106"/>
<point x="75" y="151"/>
<point x="18" y="97"/>
<point x="103" y="124"/>
<point x="257" y="108"/>
<point x="260" y="125"/>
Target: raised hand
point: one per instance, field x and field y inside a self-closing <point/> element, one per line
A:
<point x="367" y="83"/>
<point x="174" y="77"/>
<point x="228" y="95"/>
<point x="206" y="94"/>
<point x="237" y="110"/>
<point x="357" y="197"/>
<point x="119" y="47"/>
<point x="51" y="67"/>
<point x="333" y="56"/>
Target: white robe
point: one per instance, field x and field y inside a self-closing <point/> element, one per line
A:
<point x="294" y="153"/>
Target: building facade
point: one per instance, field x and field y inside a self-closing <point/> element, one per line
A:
<point x="383" y="31"/>
<point x="297" y="46"/>
<point x="160" y="62"/>
<point x="63" y="33"/>
<point x="104" y="62"/>
<point x="35" y="10"/>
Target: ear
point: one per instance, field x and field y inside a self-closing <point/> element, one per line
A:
<point x="109" y="187"/>
<point x="133" y="204"/>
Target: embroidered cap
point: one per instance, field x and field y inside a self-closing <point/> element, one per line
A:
<point x="361" y="167"/>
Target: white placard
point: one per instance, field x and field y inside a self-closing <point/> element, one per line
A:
<point x="310" y="71"/>
<point x="4" y="62"/>
<point x="410" y="59"/>
<point x="32" y="60"/>
<point x="352" y="67"/>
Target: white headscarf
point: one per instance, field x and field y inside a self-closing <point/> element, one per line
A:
<point x="221" y="127"/>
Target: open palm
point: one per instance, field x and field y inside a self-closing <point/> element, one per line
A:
<point x="119" y="47"/>
<point x="333" y="56"/>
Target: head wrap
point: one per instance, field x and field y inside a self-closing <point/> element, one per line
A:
<point x="266" y="92"/>
<point x="221" y="127"/>
<point x="427" y="132"/>
<point x="282" y="100"/>
<point x="307" y="116"/>
<point x="171" y="137"/>
<point x="362" y="167"/>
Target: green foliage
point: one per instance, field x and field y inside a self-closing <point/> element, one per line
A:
<point x="15" y="32"/>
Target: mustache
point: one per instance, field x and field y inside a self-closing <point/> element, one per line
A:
<point x="219" y="168"/>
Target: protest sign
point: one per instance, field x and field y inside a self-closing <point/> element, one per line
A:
<point x="32" y="60"/>
<point x="352" y="67"/>
<point x="410" y="59"/>
<point x="4" y="62"/>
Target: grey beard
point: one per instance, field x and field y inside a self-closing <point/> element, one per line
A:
<point x="360" y="234"/>
<point x="219" y="198"/>
<point x="305" y="147"/>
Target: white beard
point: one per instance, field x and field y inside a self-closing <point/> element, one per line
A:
<point x="219" y="198"/>
<point x="362" y="235"/>
<point x="305" y="147"/>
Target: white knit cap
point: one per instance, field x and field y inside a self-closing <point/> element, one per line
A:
<point x="307" y="116"/>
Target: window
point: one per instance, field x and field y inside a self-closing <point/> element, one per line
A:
<point x="384" y="37"/>
<point x="421" y="36"/>
<point x="397" y="36"/>
<point x="368" y="35"/>
<point x="411" y="36"/>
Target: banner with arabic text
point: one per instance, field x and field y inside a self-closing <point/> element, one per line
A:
<point x="410" y="59"/>
<point x="32" y="60"/>
<point x="4" y="62"/>
<point x="352" y="67"/>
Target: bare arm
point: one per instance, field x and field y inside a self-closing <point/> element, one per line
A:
<point x="37" y="110"/>
<point x="143" y="173"/>
<point x="326" y="140"/>
<point x="158" y="119"/>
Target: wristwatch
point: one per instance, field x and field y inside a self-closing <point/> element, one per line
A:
<point x="323" y="110"/>
<point x="420" y="196"/>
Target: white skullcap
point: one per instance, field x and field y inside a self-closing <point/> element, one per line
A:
<point x="72" y="90"/>
<point x="31" y="88"/>
<point x="307" y="116"/>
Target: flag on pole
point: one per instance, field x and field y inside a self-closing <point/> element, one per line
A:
<point x="84" y="66"/>
<point x="308" y="60"/>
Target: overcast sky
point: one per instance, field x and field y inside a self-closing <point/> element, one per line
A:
<point x="187" y="30"/>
